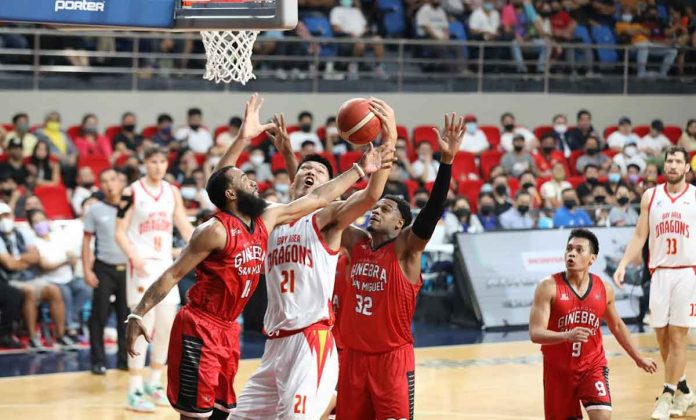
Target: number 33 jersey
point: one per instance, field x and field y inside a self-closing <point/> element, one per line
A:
<point x="672" y="219"/>
<point x="378" y="304"/>
<point x="300" y="271"/>
<point x="568" y="311"/>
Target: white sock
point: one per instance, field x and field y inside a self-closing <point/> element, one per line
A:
<point x="155" y="376"/>
<point x="673" y="387"/>
<point x="683" y="378"/>
<point x="135" y="383"/>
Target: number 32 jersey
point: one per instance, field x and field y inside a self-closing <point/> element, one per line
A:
<point x="379" y="303"/>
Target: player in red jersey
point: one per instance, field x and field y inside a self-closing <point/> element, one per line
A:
<point x="376" y="373"/>
<point x="228" y="253"/>
<point x="565" y="319"/>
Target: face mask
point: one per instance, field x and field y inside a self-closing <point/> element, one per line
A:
<point x="461" y="213"/>
<point x="488" y="7"/>
<point x="486" y="188"/>
<point x="570" y="204"/>
<point x="633" y="179"/>
<point x="188" y="193"/>
<point x="545" y="13"/>
<point x="53" y="126"/>
<point x="501" y="189"/>
<point x="471" y="127"/>
<point x="214" y="160"/>
<point x="560" y="128"/>
<point x="523" y="209"/>
<point x="42" y="228"/>
<point x="88" y="185"/>
<point x="257" y="159"/>
<point x="129" y="128"/>
<point x="422" y="156"/>
<point x="630" y="151"/>
<point x="622" y="201"/>
<point x="8" y="191"/>
<point x="195" y="127"/>
<point x="614" y="178"/>
<point x="23" y="128"/>
<point x="282" y="188"/>
<point x="600" y="199"/>
<point x="527" y="185"/>
<point x="166" y="130"/>
<point x="627" y="18"/>
<point x="486" y="210"/>
<point x="306" y="128"/>
<point x="547" y="150"/>
<point x="347" y="3"/>
<point x="518" y="148"/>
<point x="332" y="131"/>
<point x="592" y="181"/>
<point x="90" y="129"/>
<point x="6" y="225"/>
<point x="420" y="203"/>
<point x="593" y="151"/>
<point x="509" y="127"/>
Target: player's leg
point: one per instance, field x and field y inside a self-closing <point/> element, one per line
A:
<point x="307" y="374"/>
<point x="259" y="398"/>
<point x="392" y="384"/>
<point x="662" y="337"/>
<point x="560" y="398"/>
<point x="164" y="318"/>
<point x="593" y="392"/>
<point x="137" y="399"/>
<point x="353" y="401"/>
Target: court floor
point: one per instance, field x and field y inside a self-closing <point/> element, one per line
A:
<point x="478" y="381"/>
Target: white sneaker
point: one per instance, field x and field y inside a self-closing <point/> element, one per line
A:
<point x="138" y="402"/>
<point x="682" y="402"/>
<point x="663" y="406"/>
<point x="157" y="394"/>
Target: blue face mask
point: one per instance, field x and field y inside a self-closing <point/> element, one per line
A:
<point x="282" y="188"/>
<point x="471" y="127"/>
<point x="487" y="7"/>
<point x="614" y="178"/>
<point x="347" y="3"/>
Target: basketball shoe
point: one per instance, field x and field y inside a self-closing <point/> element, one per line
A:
<point x="157" y="394"/>
<point x="663" y="406"/>
<point x="138" y="402"/>
<point x="682" y="402"/>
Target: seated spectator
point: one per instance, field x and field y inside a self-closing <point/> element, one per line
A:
<point x="648" y="36"/>
<point x="62" y="147"/>
<point x="164" y="137"/>
<point x="184" y="165"/>
<point x="486" y="212"/>
<point x="14" y="166"/>
<point x="18" y="257"/>
<point x="577" y="135"/>
<point x="257" y="162"/>
<point x="126" y="141"/>
<point x="225" y="139"/>
<point x="56" y="265"/>
<point x="308" y="148"/>
<point x="10" y="193"/>
<point x="528" y="182"/>
<point x="630" y="155"/>
<point x="518" y="216"/>
<point x="281" y="184"/>
<point x="41" y="167"/>
<point x="420" y="198"/>
<point x="654" y="143"/>
<point x="593" y="156"/>
<point x="85" y="188"/>
<point x="20" y="129"/>
<point x="688" y="137"/>
<point x="190" y="197"/>
<point x="652" y="172"/>
<point x="501" y="194"/>
<point x="432" y="23"/>
<point x="484" y="22"/>
<point x="468" y="223"/>
<point x="425" y="168"/>
<point x="90" y="142"/>
<point x="510" y="130"/>
<point x="475" y="140"/>
<point x="623" y="214"/>
<point x="601" y="195"/>
<point x="633" y="172"/>
<point x="348" y="21"/>
<point x="304" y="122"/>
<point x="614" y="178"/>
<point x="548" y="155"/>
<point x="522" y="24"/>
<point x="584" y="190"/>
<point x="570" y="215"/>
<point x="395" y="184"/>
<point x="194" y="135"/>
<point x="26" y="204"/>
<point x="563" y="30"/>
<point x="519" y="159"/>
<point x="495" y="171"/>
<point x="560" y="135"/>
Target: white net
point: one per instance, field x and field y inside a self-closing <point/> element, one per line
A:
<point x="229" y="55"/>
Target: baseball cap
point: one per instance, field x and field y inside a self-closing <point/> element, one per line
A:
<point x="624" y="120"/>
<point x="4" y="208"/>
<point x="469" y="118"/>
<point x="14" y="142"/>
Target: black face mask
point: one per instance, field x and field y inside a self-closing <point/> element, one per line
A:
<point x="518" y="148"/>
<point x="486" y="210"/>
<point x="509" y="127"/>
<point x="8" y="191"/>
<point x="547" y="150"/>
<point x="622" y="201"/>
<point x="88" y="185"/>
<point x="306" y="128"/>
<point x="501" y="189"/>
<point x="593" y="151"/>
<point x="461" y="213"/>
<point x="527" y="185"/>
<point x="195" y="127"/>
<point x="570" y="204"/>
<point x="593" y="181"/>
<point x="420" y="203"/>
<point x="545" y="13"/>
<point x="523" y="209"/>
<point x="600" y="199"/>
<point x="129" y="128"/>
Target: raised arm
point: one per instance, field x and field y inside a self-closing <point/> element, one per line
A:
<point x="281" y="141"/>
<point x="640" y="235"/>
<point x="180" y="218"/>
<point x="539" y="319"/>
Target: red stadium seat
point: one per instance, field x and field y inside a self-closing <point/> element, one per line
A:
<point x="242" y="159"/>
<point x="8" y="127"/>
<point x="277" y="161"/>
<point x="111" y="131"/>
<point x="402" y="131"/>
<point x="74" y="131"/>
<point x="514" y="185"/>
<point x="35" y="127"/>
<point x="149" y="131"/>
<point x="573" y="160"/>
<point x="121" y="160"/>
<point x="672" y="132"/>
<point x="346" y="160"/>
<point x="575" y="181"/>
<point x="219" y="130"/>
<point x="411" y="186"/>
<point x="3" y="157"/>
<point x="97" y="163"/>
<point x="54" y="199"/>
<point x="488" y="160"/>
<point x="259" y="139"/>
<point x="171" y="158"/>
<point x="540" y="182"/>
<point x="332" y="160"/>
<point x="541" y="130"/>
<point x="641" y="130"/>
<point x="610" y="129"/>
<point x="292" y="128"/>
<point x="464" y="164"/>
<point x="471" y="189"/>
<point x="321" y="133"/>
<point x="423" y="133"/>
<point x="492" y="134"/>
<point x="610" y="152"/>
<point x="200" y="158"/>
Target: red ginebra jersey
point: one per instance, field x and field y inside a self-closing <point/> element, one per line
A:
<point x="379" y="302"/>
<point x="226" y="279"/>
<point x="340" y="286"/>
<point x="568" y="311"/>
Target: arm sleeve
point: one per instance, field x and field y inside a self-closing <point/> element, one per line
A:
<point x="427" y="219"/>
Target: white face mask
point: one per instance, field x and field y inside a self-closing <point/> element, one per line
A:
<point x="188" y="193"/>
<point x="257" y="159"/>
<point x="630" y="151"/>
<point x="627" y="18"/>
<point x="282" y="188"/>
<point x="332" y="131"/>
<point x="560" y="128"/>
<point x="6" y="225"/>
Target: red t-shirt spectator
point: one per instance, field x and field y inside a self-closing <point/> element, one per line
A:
<point x="101" y="146"/>
<point x="545" y="166"/>
<point x="561" y="20"/>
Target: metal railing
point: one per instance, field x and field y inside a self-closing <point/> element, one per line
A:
<point x="408" y="65"/>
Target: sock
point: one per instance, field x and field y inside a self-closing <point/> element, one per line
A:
<point x="682" y="386"/>
<point x="669" y="388"/>
<point x="155" y="376"/>
<point x="135" y="383"/>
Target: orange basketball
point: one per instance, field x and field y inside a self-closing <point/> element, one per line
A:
<point x="356" y="123"/>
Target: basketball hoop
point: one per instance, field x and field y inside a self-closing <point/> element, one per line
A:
<point x="228" y="55"/>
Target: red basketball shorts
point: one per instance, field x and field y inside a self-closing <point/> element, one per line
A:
<point x="202" y="363"/>
<point x="376" y="386"/>
<point x="564" y="391"/>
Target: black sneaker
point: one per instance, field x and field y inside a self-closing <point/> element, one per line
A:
<point x="65" y="343"/>
<point x="35" y="345"/>
<point x="99" y="369"/>
<point x="9" y="342"/>
<point x="123" y="365"/>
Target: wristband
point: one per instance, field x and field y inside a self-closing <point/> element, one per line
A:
<point x="134" y="316"/>
<point x="360" y="170"/>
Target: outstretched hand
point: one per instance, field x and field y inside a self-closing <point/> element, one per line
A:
<point x="279" y="134"/>
<point x="451" y="137"/>
<point x="251" y="126"/>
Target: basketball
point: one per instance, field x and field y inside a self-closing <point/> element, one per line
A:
<point x="357" y="123"/>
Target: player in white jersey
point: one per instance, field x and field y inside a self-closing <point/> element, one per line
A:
<point x="149" y="209"/>
<point x="668" y="221"/>
<point x="299" y="369"/>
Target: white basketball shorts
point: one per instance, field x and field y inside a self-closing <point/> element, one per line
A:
<point x="673" y="297"/>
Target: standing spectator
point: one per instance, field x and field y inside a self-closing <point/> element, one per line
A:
<point x="518" y="216"/>
<point x="507" y="120"/>
<point x="194" y="135"/>
<point x="163" y="137"/>
<point x="85" y="188"/>
<point x="560" y="135"/>
<point x="648" y="44"/>
<point x="127" y="140"/>
<point x="688" y="137"/>
<point x="654" y="142"/>
<point x="348" y="21"/>
<point x="618" y="138"/>
<point x="304" y="121"/>
<point x="307" y="149"/>
<point x="475" y="140"/>
<point x="623" y="214"/>
<point x="486" y="212"/>
<point x="501" y="194"/>
<point x="61" y="146"/>
<point x="576" y="136"/>
<point x="90" y="142"/>
<point x="105" y="271"/>
<point x="425" y="168"/>
<point x="20" y="129"/>
<point x="630" y="155"/>
<point x="548" y="155"/>
<point x="257" y="163"/>
<point x="14" y="166"/>
<point x="570" y="215"/>
<point x="42" y="168"/>
<point x="56" y="266"/>
<point x="468" y="223"/>
<point x="593" y="156"/>
<point x="519" y="159"/>
<point x="225" y="139"/>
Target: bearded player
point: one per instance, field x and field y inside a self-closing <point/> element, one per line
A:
<point x="227" y="252"/>
<point x="376" y="378"/>
<point x="299" y="368"/>
<point x="667" y="218"/>
<point x="566" y="318"/>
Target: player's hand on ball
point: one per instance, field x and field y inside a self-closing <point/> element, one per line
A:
<point x="579" y="334"/>
<point x="134" y="329"/>
<point x="647" y="364"/>
<point x="387" y="117"/>
<point x="279" y="134"/>
<point x="251" y="126"/>
<point x="619" y="275"/>
<point x="451" y="137"/>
